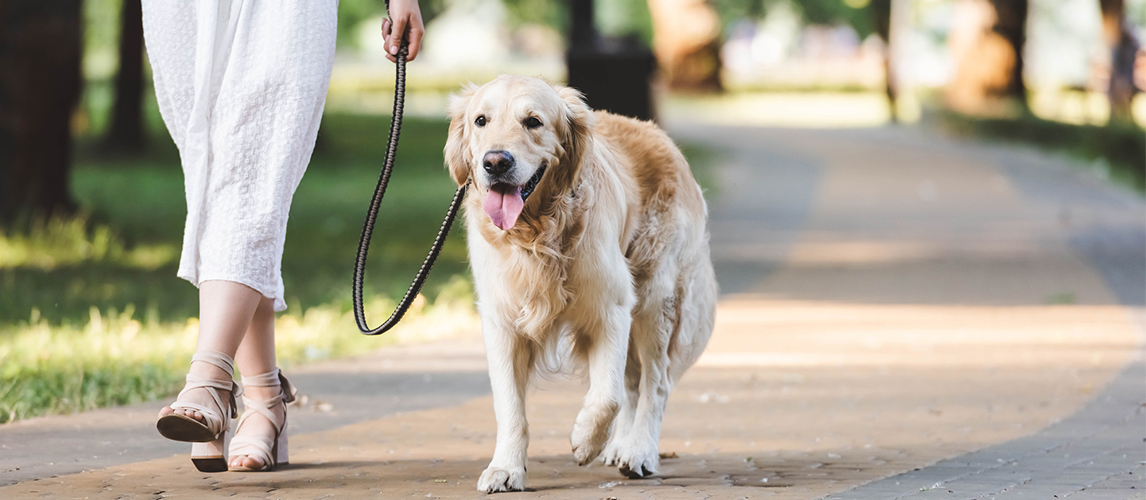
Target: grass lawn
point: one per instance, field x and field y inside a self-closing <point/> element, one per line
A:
<point x="1118" y="151"/>
<point x="93" y="315"/>
<point x="141" y="204"/>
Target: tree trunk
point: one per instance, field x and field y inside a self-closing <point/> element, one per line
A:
<point x="1123" y="49"/>
<point x="881" y="19"/>
<point x="987" y="41"/>
<point x="126" y="133"/>
<point x="686" y="41"/>
<point x="40" y="82"/>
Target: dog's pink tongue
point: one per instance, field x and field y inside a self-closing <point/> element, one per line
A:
<point x="503" y="204"/>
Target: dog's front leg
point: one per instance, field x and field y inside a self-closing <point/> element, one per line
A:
<point x="510" y="364"/>
<point x="608" y="345"/>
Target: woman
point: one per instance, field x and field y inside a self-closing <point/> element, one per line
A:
<point x="241" y="85"/>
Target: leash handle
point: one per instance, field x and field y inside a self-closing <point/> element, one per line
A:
<point x="372" y="215"/>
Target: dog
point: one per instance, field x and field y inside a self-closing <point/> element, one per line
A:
<point x="588" y="243"/>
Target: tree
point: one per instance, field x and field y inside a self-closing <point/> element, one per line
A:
<point x="126" y="132"/>
<point x="686" y="41"/>
<point x="880" y="11"/>
<point x="987" y="41"/>
<point x="40" y="82"/>
<point x="1123" y="48"/>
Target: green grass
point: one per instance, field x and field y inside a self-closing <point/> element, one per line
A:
<point x="1119" y="149"/>
<point x="115" y="358"/>
<point x="137" y="206"/>
<point x="92" y="314"/>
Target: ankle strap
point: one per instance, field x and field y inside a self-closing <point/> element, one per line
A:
<point x="271" y="379"/>
<point x="223" y="361"/>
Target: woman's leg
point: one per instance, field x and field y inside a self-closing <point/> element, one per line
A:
<point x="256" y="355"/>
<point x="225" y="312"/>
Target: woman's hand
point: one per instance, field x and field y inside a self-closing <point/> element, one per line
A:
<point x="405" y="19"/>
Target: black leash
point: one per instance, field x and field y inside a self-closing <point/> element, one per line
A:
<point x="372" y="214"/>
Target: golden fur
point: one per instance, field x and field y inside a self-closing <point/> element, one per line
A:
<point x="607" y="266"/>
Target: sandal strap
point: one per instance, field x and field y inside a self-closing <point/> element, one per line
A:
<point x="262" y="407"/>
<point x="259" y="448"/>
<point x="251" y="447"/>
<point x="265" y="407"/>
<point x="223" y="361"/>
<point x="213" y="420"/>
<point x="271" y="379"/>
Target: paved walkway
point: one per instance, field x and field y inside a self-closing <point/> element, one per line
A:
<point x="903" y="317"/>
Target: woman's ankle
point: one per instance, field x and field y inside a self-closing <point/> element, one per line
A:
<point x="208" y="371"/>
<point x="261" y="393"/>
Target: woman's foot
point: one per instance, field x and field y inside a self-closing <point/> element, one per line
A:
<point x="203" y="409"/>
<point x="260" y="440"/>
<point x="205" y="405"/>
<point x="198" y="396"/>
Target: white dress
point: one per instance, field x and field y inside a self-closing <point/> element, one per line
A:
<point x="241" y="85"/>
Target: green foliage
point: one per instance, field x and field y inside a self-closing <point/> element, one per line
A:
<point x="127" y="251"/>
<point x="115" y="359"/>
<point x="101" y="37"/>
<point x="1136" y="12"/>
<point x="63" y="345"/>
<point x="353" y="12"/>
<point x="734" y="10"/>
<point x="1120" y="150"/>
<point x="702" y="159"/>
<point x="112" y="360"/>
<point x="552" y="13"/>
<point x="837" y="12"/>
<point x="812" y="11"/>
<point x="625" y="17"/>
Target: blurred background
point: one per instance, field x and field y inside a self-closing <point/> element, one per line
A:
<point x="91" y="191"/>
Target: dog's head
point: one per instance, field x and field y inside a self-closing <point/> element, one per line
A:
<point x="518" y="139"/>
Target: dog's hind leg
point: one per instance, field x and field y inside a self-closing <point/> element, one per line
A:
<point x="606" y="355"/>
<point x="510" y="359"/>
<point x="654" y="324"/>
<point x="623" y="424"/>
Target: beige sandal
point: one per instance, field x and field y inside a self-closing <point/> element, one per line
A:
<point x="271" y="452"/>
<point x="208" y="452"/>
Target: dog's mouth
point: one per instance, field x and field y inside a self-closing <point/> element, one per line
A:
<point x="531" y="184"/>
<point x="504" y="202"/>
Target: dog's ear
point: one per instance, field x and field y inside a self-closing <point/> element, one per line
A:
<point x="578" y="120"/>
<point x="455" y="150"/>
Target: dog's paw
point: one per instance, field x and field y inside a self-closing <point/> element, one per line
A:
<point x="587" y="443"/>
<point x="612" y="453"/>
<point x="585" y="453"/>
<point x="590" y="432"/>
<point x="636" y="462"/>
<point x="495" y="479"/>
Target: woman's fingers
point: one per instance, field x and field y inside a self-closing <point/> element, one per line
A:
<point x="405" y="21"/>
<point x="386" y="25"/>
<point x="397" y="33"/>
<point x="415" y="39"/>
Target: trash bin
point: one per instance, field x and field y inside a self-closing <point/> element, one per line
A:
<point x="615" y="74"/>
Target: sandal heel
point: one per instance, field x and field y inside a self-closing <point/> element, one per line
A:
<point x="270" y="450"/>
<point x="282" y="457"/>
<point x="210" y="456"/>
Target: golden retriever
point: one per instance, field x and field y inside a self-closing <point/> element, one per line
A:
<point x="588" y="243"/>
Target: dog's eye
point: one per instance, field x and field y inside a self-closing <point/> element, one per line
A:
<point x="480" y="121"/>
<point x="531" y="122"/>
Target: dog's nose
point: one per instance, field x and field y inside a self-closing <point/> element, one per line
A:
<point x="497" y="162"/>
